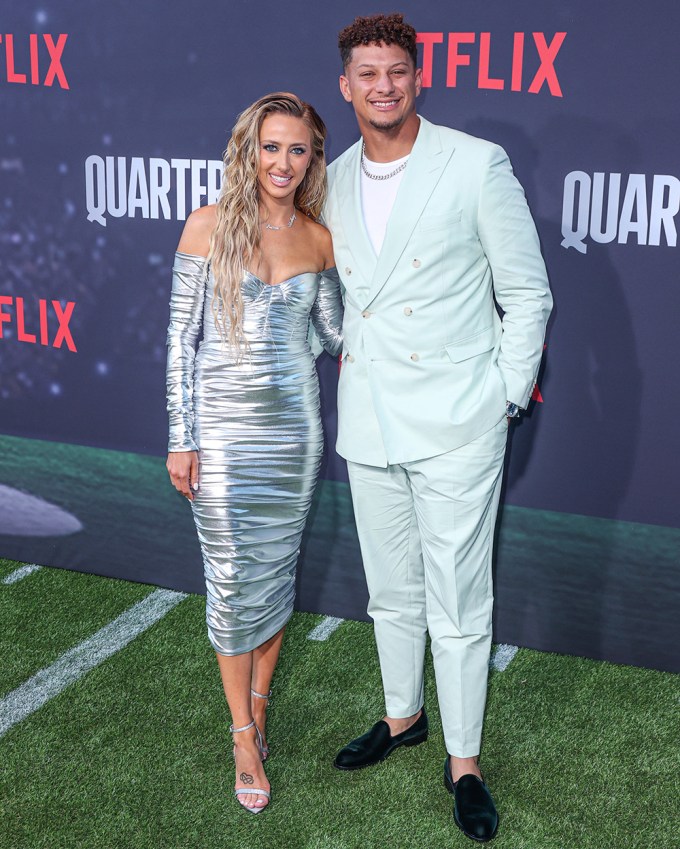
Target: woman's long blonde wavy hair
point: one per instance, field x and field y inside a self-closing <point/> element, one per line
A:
<point x="235" y="241"/>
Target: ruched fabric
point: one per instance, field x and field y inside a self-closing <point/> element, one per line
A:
<point x="255" y="421"/>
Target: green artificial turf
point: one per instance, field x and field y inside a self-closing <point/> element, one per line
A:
<point x="48" y="613"/>
<point x="580" y="754"/>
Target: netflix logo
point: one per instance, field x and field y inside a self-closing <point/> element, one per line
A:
<point x="34" y="59"/>
<point x="471" y="60"/>
<point x="45" y="322"/>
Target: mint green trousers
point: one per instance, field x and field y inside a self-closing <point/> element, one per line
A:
<point x="426" y="531"/>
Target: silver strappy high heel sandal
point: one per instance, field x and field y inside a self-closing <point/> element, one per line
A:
<point x="264" y="750"/>
<point x="243" y="791"/>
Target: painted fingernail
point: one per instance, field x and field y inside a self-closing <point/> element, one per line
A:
<point x="194" y="486"/>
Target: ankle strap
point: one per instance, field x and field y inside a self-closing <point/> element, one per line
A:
<point x="260" y="695"/>
<point x="234" y="730"/>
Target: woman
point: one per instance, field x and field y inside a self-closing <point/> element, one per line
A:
<point x="245" y="431"/>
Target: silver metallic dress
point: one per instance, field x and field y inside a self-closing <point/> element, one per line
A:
<point x="257" y="428"/>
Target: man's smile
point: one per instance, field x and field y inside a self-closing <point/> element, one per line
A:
<point x="384" y="105"/>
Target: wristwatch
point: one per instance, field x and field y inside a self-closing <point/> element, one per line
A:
<point x="512" y="411"/>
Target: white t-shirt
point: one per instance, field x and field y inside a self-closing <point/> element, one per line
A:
<point x="377" y="199"/>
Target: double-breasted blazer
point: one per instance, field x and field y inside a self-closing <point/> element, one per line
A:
<point x="429" y="361"/>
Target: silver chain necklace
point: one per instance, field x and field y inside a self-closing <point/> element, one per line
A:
<point x="379" y="176"/>
<point x="281" y="226"/>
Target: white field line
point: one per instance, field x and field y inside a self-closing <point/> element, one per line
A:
<point x="325" y="628"/>
<point x="78" y="661"/>
<point x="503" y="657"/>
<point x="19" y="574"/>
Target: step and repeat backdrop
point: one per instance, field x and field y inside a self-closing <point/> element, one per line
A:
<point x="113" y="120"/>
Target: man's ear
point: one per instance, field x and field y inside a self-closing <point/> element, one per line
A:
<point x="344" y="88"/>
<point x="419" y="80"/>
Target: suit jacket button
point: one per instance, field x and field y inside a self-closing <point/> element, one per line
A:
<point x="416" y="263"/>
<point x="415" y="357"/>
<point x="366" y="314"/>
<point x="408" y="311"/>
<point x="348" y="271"/>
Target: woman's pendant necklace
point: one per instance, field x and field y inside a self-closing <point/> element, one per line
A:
<point x="281" y="226"/>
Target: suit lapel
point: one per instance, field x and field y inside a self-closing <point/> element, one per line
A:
<point x="348" y="189"/>
<point x="426" y="164"/>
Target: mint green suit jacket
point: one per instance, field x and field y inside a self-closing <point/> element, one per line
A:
<point x="428" y="363"/>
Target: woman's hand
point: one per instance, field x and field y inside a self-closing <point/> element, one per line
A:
<point x="182" y="467"/>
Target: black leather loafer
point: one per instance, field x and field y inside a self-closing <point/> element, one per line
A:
<point x="377" y="744"/>
<point x="474" y="810"/>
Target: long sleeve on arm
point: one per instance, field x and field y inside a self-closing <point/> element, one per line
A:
<point x="186" y="317"/>
<point x="328" y="310"/>
<point x="520" y="282"/>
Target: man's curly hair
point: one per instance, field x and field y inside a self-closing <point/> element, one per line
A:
<point x="377" y="29"/>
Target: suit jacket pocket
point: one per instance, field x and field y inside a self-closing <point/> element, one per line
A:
<point x="439" y="220"/>
<point x="472" y="346"/>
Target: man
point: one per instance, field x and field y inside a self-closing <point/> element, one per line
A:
<point x="429" y="226"/>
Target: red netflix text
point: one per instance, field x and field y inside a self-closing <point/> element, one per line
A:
<point x="34" y="59"/>
<point x="474" y="51"/>
<point x="44" y="323"/>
